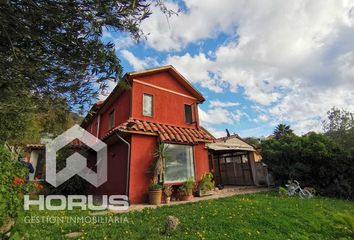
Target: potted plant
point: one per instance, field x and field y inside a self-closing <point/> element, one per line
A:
<point x="167" y="190"/>
<point x="157" y="168"/>
<point x="206" y="185"/>
<point x="155" y="193"/>
<point x="186" y="190"/>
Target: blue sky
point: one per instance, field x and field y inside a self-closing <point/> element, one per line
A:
<point x="257" y="63"/>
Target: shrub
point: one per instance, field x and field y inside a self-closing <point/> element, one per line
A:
<point x="206" y="182"/>
<point x="168" y="190"/>
<point x="12" y="186"/>
<point x="314" y="160"/>
<point x="154" y="186"/>
<point x="187" y="188"/>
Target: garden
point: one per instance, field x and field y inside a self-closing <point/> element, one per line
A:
<point x="253" y="216"/>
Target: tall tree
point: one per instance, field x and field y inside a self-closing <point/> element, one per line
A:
<point x="339" y="126"/>
<point x="54" y="49"/>
<point x="281" y="130"/>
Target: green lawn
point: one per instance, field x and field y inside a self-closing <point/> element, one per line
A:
<point x="255" y="216"/>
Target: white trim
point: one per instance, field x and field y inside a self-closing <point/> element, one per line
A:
<point x="193" y="163"/>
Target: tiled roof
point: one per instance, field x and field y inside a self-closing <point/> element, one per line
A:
<point x="164" y="131"/>
<point x="34" y="146"/>
<point x="76" y="143"/>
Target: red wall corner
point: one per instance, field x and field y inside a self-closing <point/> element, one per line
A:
<point x="142" y="151"/>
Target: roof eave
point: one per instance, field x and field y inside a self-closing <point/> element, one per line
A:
<point x="175" y="73"/>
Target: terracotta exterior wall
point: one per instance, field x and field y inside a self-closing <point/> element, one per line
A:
<point x="143" y="148"/>
<point x="168" y="107"/>
<point x="142" y="151"/>
<point x="201" y="160"/>
<point x="121" y="107"/>
<point x="168" y="104"/>
<point x="117" y="170"/>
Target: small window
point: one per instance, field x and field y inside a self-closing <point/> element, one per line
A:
<point x="111" y="119"/>
<point x="147" y="105"/>
<point x="188" y="113"/>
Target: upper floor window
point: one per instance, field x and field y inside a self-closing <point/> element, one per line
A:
<point x="147" y="105"/>
<point x="188" y="113"/>
<point x="111" y="119"/>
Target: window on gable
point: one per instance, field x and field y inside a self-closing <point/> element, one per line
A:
<point x="179" y="166"/>
<point x="111" y="120"/>
<point x="147" y="105"/>
<point x="188" y="113"/>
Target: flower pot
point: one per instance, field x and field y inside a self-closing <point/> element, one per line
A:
<point x="155" y="196"/>
<point x="201" y="193"/>
<point x="168" y="200"/>
<point x="186" y="197"/>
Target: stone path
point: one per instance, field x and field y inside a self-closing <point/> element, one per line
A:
<point x="228" y="191"/>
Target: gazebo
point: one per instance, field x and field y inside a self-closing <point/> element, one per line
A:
<point x="232" y="161"/>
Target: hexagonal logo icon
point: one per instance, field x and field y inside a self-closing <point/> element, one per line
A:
<point x="76" y="163"/>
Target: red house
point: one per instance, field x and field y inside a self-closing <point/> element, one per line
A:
<point x="159" y="105"/>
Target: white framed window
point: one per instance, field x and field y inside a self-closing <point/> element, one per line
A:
<point x="179" y="165"/>
<point x="147" y="105"/>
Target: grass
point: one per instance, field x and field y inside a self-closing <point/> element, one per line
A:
<point x="254" y="216"/>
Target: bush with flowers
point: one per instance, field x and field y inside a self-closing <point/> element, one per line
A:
<point x="13" y="186"/>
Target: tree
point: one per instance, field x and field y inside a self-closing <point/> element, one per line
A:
<point x="314" y="160"/>
<point x="253" y="141"/>
<point x="54" y="49"/>
<point x="24" y="121"/>
<point x="339" y="126"/>
<point x="281" y="130"/>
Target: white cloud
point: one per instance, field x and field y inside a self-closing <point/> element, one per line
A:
<point x="203" y="20"/>
<point x="295" y="59"/>
<point x="238" y="115"/>
<point x="198" y="69"/>
<point x="216" y="133"/>
<point x="121" y="40"/>
<point x="302" y="127"/>
<point x="216" y="116"/>
<point x="218" y="103"/>
<point x="263" y="117"/>
<point x="137" y="63"/>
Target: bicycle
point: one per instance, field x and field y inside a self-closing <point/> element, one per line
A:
<point x="294" y="187"/>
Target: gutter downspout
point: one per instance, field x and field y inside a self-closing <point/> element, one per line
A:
<point x="128" y="163"/>
<point x="98" y="125"/>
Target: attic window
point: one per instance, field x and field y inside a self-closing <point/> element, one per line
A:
<point x="188" y="113"/>
<point x="147" y="105"/>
